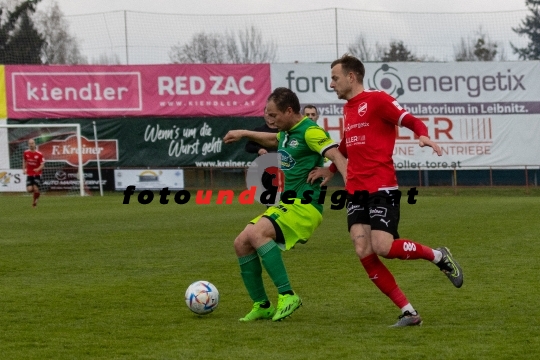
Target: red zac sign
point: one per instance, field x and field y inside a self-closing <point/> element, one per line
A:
<point x="66" y="150"/>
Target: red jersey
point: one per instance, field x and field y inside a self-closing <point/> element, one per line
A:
<point x="369" y="137"/>
<point x="33" y="160"/>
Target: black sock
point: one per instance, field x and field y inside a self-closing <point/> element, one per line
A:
<point x="289" y="292"/>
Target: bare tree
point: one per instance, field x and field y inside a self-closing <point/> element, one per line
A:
<point x="60" y="46"/>
<point x="481" y="49"/>
<point x="361" y="49"/>
<point x="203" y="48"/>
<point x="247" y="46"/>
<point x="464" y="51"/>
<point x="106" y="59"/>
<point x="364" y="52"/>
<point x="252" y="47"/>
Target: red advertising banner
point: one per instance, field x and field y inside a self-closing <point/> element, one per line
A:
<point x="66" y="150"/>
<point x="87" y="91"/>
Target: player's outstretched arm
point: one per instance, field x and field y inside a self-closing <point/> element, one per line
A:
<point x="264" y="138"/>
<point x="425" y="141"/>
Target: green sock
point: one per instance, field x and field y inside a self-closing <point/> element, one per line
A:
<point x="273" y="263"/>
<point x="251" y="271"/>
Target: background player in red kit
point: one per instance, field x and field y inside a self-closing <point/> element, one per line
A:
<point x="33" y="163"/>
<point x="373" y="214"/>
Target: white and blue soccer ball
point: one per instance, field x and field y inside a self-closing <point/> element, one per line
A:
<point x="202" y="297"/>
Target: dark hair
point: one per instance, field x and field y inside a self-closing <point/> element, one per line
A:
<point x="285" y="98"/>
<point x="351" y="64"/>
<point x="309" y="106"/>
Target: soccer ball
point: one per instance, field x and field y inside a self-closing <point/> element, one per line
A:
<point x="202" y="297"/>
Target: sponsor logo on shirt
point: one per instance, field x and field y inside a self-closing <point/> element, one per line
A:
<point x="358" y="125"/>
<point x="362" y="109"/>
<point x="293" y="143"/>
<point x="287" y="161"/>
<point x="324" y="141"/>
<point x="355" y="140"/>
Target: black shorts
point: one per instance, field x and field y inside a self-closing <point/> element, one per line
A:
<point x="33" y="180"/>
<point x="380" y="210"/>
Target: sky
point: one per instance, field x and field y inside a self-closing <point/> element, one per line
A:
<point x="150" y="37"/>
<point x="77" y="7"/>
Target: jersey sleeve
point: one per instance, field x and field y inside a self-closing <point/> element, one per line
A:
<point x="391" y="111"/>
<point x="318" y="140"/>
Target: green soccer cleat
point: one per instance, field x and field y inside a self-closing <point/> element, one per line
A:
<point x="259" y="313"/>
<point x="450" y="267"/>
<point x="287" y="304"/>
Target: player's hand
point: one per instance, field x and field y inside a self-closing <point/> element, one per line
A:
<point x="233" y="136"/>
<point x="425" y="141"/>
<point x="262" y="152"/>
<point x="320" y="172"/>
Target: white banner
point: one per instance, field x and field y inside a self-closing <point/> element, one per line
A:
<point x="12" y="180"/>
<point x="150" y="179"/>
<point x="480" y="113"/>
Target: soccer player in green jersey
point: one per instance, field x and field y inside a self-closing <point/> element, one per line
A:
<point x="302" y="145"/>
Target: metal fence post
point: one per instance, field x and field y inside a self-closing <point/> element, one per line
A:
<point x="526" y="180"/>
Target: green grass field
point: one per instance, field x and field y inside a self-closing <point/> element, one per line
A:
<point x="91" y="278"/>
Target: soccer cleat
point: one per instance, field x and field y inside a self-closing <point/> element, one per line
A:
<point x="287" y="304"/>
<point x="450" y="267"/>
<point x="259" y="313"/>
<point x="408" y="319"/>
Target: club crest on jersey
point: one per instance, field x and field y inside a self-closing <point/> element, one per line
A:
<point x="293" y="143"/>
<point x="287" y="161"/>
<point x="362" y="108"/>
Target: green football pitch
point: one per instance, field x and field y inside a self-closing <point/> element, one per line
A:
<point x="92" y="278"/>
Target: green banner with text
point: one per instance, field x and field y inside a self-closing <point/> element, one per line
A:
<point x="150" y="142"/>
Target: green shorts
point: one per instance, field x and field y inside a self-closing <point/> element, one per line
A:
<point x="293" y="222"/>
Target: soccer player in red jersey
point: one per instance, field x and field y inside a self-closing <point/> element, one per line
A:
<point x="33" y="164"/>
<point x="368" y="142"/>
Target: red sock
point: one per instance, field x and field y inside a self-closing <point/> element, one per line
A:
<point x="409" y="250"/>
<point x="35" y="195"/>
<point x="383" y="279"/>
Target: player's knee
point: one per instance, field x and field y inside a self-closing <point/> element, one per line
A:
<point x="362" y="250"/>
<point x="243" y="238"/>
<point x="242" y="243"/>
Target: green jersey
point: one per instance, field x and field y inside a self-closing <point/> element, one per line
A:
<point x="302" y="149"/>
